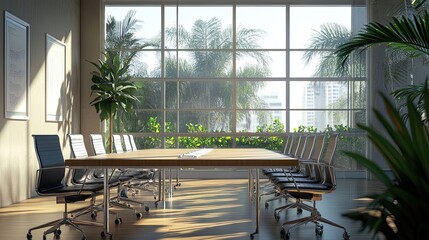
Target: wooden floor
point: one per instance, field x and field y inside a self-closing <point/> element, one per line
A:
<point x="199" y="209"/>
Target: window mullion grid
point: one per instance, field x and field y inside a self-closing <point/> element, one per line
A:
<point x="234" y="73"/>
<point x="163" y="85"/>
<point x="287" y="9"/>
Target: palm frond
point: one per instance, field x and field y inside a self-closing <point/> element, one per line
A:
<point x="404" y="33"/>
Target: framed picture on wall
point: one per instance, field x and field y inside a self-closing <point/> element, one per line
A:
<point x="17" y="67"/>
<point x="55" y="79"/>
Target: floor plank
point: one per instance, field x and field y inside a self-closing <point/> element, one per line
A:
<point x="199" y="209"/>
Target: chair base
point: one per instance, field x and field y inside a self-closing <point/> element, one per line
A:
<point x="56" y="224"/>
<point x="316" y="218"/>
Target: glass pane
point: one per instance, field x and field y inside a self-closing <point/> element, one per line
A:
<point x="322" y="64"/>
<point x="170" y="27"/>
<point x="261" y="95"/>
<point x="205" y="27"/>
<point x="149" y="95"/>
<point x="171" y="121"/>
<point x="359" y="94"/>
<point x="138" y="121"/>
<point x="146" y="64"/>
<point x="205" y="95"/>
<point x="146" y="28"/>
<point x="251" y="64"/>
<point x="205" y="121"/>
<point x="205" y="142"/>
<point x="321" y="120"/>
<point x="256" y="29"/>
<point x="319" y="95"/>
<point x="306" y="22"/>
<point x="205" y="64"/>
<point x="170" y="64"/>
<point x="352" y="142"/>
<point x="272" y="143"/>
<point x="171" y="95"/>
<point x="261" y="121"/>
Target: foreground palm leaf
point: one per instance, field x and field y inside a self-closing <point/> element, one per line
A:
<point x="401" y="211"/>
<point x="403" y="33"/>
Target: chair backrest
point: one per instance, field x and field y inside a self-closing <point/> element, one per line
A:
<point x="97" y="144"/>
<point x="330" y="149"/>
<point x="127" y="143"/>
<point x="316" y="152"/>
<point x="51" y="161"/>
<point x="301" y="145"/>
<point x="293" y="145"/>
<point x="309" y="145"/>
<point x="117" y="143"/>
<point x="77" y="146"/>
<point x="78" y="150"/>
<point x="133" y="143"/>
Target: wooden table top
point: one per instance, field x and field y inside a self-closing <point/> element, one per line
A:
<point x="219" y="157"/>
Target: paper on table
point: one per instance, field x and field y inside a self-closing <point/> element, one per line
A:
<point x="196" y="153"/>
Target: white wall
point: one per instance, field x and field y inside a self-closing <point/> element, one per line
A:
<point x="18" y="163"/>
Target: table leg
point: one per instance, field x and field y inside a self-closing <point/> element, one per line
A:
<point x="170" y="181"/>
<point x="257" y="213"/>
<point x="160" y="196"/>
<point x="106" y="204"/>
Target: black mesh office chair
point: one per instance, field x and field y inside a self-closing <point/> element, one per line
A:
<point x="312" y="192"/>
<point x="50" y="181"/>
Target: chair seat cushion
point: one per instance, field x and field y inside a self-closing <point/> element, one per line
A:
<point x="305" y="186"/>
<point x="297" y="180"/>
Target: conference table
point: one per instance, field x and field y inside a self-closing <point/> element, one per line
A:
<point x="243" y="158"/>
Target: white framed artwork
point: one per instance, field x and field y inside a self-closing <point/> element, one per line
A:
<point x="55" y="79"/>
<point x="17" y="67"/>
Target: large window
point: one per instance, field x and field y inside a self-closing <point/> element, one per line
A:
<point x="239" y="75"/>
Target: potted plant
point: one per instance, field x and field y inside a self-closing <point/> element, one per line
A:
<point x="112" y="87"/>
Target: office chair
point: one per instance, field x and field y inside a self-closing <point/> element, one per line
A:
<point x="126" y="176"/>
<point x="146" y="181"/>
<point x="51" y="181"/>
<point x="313" y="192"/>
<point x="80" y="176"/>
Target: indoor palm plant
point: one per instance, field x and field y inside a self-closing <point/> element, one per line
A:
<point x="401" y="210"/>
<point x="113" y="88"/>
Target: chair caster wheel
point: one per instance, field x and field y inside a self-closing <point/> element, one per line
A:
<point x="276" y="217"/>
<point x="139" y="215"/>
<point x="118" y="221"/>
<point x="154" y="197"/>
<point x="103" y="235"/>
<point x="83" y="238"/>
<point x="57" y="232"/>
<point x="346" y="236"/>
<point x="298" y="210"/>
<point x="44" y="237"/>
<point x="319" y="231"/>
<point x="267" y="205"/>
<point x="284" y="235"/>
<point x="93" y="215"/>
<point x="146" y="208"/>
<point x="29" y="236"/>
